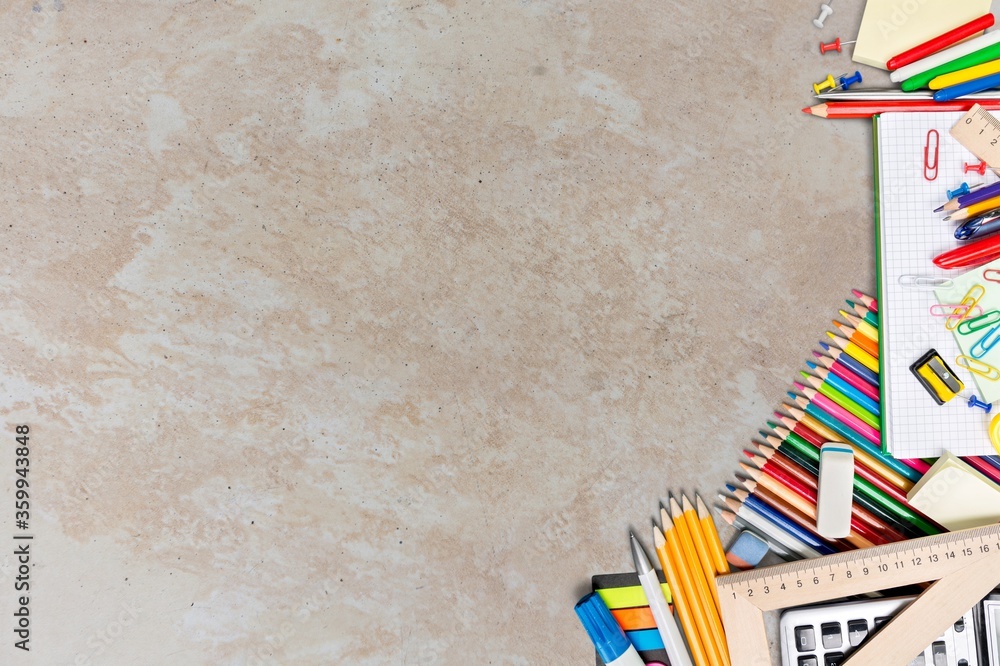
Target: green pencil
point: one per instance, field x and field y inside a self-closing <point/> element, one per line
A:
<point x="842" y="400"/>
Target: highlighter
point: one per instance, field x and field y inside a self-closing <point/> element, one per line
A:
<point x="611" y="643"/>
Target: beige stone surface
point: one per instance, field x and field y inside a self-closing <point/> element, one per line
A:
<point x="362" y="333"/>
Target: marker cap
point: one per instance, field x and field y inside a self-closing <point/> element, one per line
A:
<point x="609" y="639"/>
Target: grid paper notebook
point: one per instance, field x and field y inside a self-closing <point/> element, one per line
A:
<point x="910" y="235"/>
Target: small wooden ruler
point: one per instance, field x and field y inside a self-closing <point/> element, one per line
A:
<point x="979" y="131"/>
<point x="965" y="566"/>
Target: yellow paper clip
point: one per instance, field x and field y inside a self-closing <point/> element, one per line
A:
<point x="977" y="367"/>
<point x="970" y="300"/>
<point x="992" y="275"/>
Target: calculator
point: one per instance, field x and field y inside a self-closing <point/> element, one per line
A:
<point x="824" y="635"/>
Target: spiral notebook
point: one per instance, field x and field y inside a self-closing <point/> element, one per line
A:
<point x="909" y="236"/>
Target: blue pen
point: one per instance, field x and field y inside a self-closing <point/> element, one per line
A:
<point x="967" y="88"/>
<point x="859" y="368"/>
<point x="612" y="646"/>
<point x="980" y="226"/>
<point x="848" y="390"/>
<point x="793" y="528"/>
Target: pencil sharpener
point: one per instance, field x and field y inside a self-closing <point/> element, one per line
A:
<point x="936" y="377"/>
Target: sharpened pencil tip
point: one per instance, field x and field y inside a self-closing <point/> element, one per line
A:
<point x="857" y="294"/>
<point x="807" y="109"/>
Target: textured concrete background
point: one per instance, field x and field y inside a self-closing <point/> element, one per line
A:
<point x="361" y="333"/>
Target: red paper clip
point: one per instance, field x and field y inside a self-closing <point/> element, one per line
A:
<point x="977" y="168"/>
<point x="991" y="275"/>
<point x="931" y="170"/>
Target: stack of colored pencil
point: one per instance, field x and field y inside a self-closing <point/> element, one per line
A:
<point x="837" y="401"/>
<point x="942" y="74"/>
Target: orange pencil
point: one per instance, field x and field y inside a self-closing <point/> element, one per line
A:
<point x="712" y="536"/>
<point x="682" y="601"/>
<point x="855" y="336"/>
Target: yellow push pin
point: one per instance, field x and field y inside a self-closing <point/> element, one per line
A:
<point x="823" y="85"/>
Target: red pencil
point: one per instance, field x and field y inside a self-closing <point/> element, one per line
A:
<point x="871" y="108"/>
<point x="974" y="254"/>
<point x="941" y="41"/>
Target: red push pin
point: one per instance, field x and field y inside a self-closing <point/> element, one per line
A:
<point x="978" y="168"/>
<point x="833" y="46"/>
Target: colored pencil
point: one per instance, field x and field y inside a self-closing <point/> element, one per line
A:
<point x="841" y="401"/>
<point x="859" y="354"/>
<point x="992" y="460"/>
<point x="854" y="336"/>
<point x="741" y="524"/>
<point x="864" y="312"/>
<point x="847" y="435"/>
<point x="842" y="415"/>
<point x="693" y="564"/>
<point x="773" y="531"/>
<point x="862" y="396"/>
<point x="864" y="465"/>
<point x="685" y="612"/>
<point x="984" y="468"/>
<point x="701" y="549"/>
<point x="862" y="326"/>
<point x="692" y="591"/>
<point x="974" y="210"/>
<point x="856" y="367"/>
<point x="877" y="527"/>
<point x="966" y="200"/>
<point x="767" y="513"/>
<point x="940" y="42"/>
<point x="869" y="302"/>
<point x="712" y="536"/>
<point x="867" y="109"/>
<point x="903" y="512"/>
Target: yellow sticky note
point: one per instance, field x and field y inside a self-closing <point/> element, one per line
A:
<point x="890" y="27"/>
<point x="956" y="495"/>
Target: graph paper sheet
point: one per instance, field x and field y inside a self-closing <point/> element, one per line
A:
<point x="910" y="236"/>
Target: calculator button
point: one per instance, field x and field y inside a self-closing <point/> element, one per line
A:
<point x="879" y="621"/>
<point x="805" y="639"/>
<point x="835" y="659"/>
<point x="809" y="660"/>
<point x="919" y="661"/>
<point x="960" y="625"/>
<point x="963" y="662"/>
<point x="832" y="637"/>
<point x="939" y="653"/>
<point x="857" y="632"/>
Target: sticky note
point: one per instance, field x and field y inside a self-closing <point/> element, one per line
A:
<point x="956" y="495"/>
<point x="890" y="27"/>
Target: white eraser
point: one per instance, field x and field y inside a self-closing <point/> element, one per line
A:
<point x="835" y="491"/>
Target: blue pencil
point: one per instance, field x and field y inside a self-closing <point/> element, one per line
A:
<point x="848" y="390"/>
<point x="859" y="369"/>
<point x="790" y="526"/>
<point x="855" y="438"/>
<point x="992" y="460"/>
<point x="967" y="88"/>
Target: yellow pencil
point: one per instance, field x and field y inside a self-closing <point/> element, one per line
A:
<point x="861" y="325"/>
<point x="975" y="210"/>
<point x="690" y="591"/>
<point x="963" y="75"/>
<point x="701" y="548"/>
<point x="712" y="536"/>
<point x="859" y="354"/>
<point x="684" y="611"/>
<point x="679" y="534"/>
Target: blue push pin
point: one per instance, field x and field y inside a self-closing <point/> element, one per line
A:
<point x="975" y="402"/>
<point x="848" y="81"/>
<point x="964" y="189"/>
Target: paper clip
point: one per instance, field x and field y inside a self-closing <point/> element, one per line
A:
<point x="929" y="168"/>
<point x="971" y="299"/>
<point x="919" y="282"/>
<point x="970" y="326"/>
<point x="947" y="310"/>
<point x="985" y="343"/>
<point x="992" y="275"/>
<point x="977" y="367"/>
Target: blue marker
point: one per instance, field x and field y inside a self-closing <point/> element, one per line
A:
<point x="609" y="640"/>
<point x="967" y="88"/>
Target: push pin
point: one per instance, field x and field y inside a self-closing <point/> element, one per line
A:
<point x="833" y="46"/>
<point x="828" y="82"/>
<point x="976" y="402"/>
<point x="848" y="81"/>
<point x="972" y="168"/>
<point x="963" y="190"/>
<point x="824" y="11"/>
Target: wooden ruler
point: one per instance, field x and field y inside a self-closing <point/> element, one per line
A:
<point x="979" y="131"/>
<point x="965" y="566"/>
